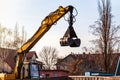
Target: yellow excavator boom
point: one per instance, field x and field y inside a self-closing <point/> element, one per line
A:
<point x="45" y="26"/>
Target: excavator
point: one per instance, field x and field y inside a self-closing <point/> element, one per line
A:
<point x="69" y="39"/>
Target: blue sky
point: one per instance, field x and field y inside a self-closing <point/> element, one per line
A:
<point x="30" y="13"/>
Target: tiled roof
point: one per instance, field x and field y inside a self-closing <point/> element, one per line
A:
<point x="74" y="56"/>
<point x="87" y="58"/>
<point x="30" y="54"/>
<point x="11" y="56"/>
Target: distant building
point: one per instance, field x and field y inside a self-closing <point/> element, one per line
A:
<point x="7" y="65"/>
<point x="78" y="64"/>
<point x="7" y="62"/>
<point x="53" y="73"/>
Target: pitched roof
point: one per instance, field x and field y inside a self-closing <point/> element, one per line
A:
<point x="90" y="57"/>
<point x="11" y="56"/>
<point x="72" y="55"/>
<point x="30" y="54"/>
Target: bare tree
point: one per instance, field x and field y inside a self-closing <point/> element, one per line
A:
<point x="18" y="39"/>
<point x="106" y="32"/>
<point x="4" y="43"/>
<point x="9" y="40"/>
<point x="49" y="56"/>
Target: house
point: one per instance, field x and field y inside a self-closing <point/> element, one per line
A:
<point x="8" y="63"/>
<point x="53" y="73"/>
<point x="78" y="64"/>
<point x="7" y="60"/>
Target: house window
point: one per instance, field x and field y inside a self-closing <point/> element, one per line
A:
<point x="55" y="74"/>
<point x="66" y="67"/>
<point x="61" y="67"/>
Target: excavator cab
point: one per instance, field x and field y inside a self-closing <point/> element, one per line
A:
<point x="30" y="70"/>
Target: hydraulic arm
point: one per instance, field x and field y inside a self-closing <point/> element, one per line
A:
<point x="45" y="26"/>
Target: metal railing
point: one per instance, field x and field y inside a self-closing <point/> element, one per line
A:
<point x="94" y="78"/>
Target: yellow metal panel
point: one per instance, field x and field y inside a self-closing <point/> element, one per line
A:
<point x="10" y="77"/>
<point x="4" y="76"/>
